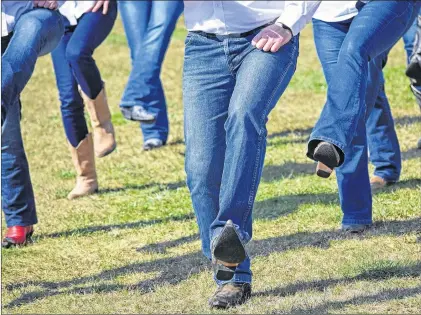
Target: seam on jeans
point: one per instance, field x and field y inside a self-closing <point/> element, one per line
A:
<point x="226" y="53"/>
<point x="256" y="166"/>
<point x="353" y="121"/>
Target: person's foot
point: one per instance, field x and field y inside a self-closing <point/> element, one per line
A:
<point x="230" y="295"/>
<point x="137" y="113"/>
<point x="327" y="157"/>
<point x="228" y="252"/>
<point x="355" y="228"/>
<point x="378" y="183"/>
<point x="151" y="144"/>
<point x="17" y="236"/>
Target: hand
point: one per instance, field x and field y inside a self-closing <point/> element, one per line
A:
<point x="100" y="3"/>
<point x="271" y="38"/>
<point x="47" y="4"/>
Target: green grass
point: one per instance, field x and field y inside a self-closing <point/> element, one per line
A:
<point x="133" y="248"/>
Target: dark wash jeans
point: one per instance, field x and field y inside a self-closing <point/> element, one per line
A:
<point x="229" y="89"/>
<point x="36" y="33"/>
<point x="74" y="65"/>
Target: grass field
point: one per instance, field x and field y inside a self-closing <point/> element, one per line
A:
<point x="133" y="248"/>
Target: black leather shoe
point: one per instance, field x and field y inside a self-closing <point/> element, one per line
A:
<point x="228" y="252"/>
<point x="137" y="113"/>
<point x="230" y="295"/>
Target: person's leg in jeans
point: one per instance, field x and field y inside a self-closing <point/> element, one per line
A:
<point x="36" y="33"/>
<point x="74" y="66"/>
<point x="352" y="176"/>
<point x="75" y="127"/>
<point x="383" y="143"/>
<point x="227" y="101"/>
<point x="92" y="29"/>
<point x="374" y="30"/>
<point x="149" y="26"/>
<point x="385" y="153"/>
<point x="412" y="42"/>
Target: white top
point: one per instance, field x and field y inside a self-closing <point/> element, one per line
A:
<point x="73" y="10"/>
<point x="228" y="17"/>
<point x="336" y="11"/>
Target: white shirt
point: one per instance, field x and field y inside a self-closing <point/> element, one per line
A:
<point x="228" y="17"/>
<point x="73" y="10"/>
<point x="336" y="11"/>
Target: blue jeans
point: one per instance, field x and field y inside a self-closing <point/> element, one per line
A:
<point x="376" y="28"/>
<point x="411" y="37"/>
<point x="149" y="26"/>
<point x="382" y="139"/>
<point x="352" y="176"/>
<point x="36" y="33"/>
<point x="74" y="65"/>
<point x="229" y="89"/>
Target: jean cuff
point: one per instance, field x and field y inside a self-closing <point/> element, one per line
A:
<point x="388" y="177"/>
<point x="238" y="278"/>
<point x="357" y="221"/>
<point x="132" y="103"/>
<point x="311" y="146"/>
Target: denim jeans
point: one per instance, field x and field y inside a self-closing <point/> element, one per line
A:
<point x="376" y="28"/>
<point x="229" y="89"/>
<point x="344" y="47"/>
<point x="411" y="37"/>
<point x="352" y="176"/>
<point x="149" y="26"/>
<point x="36" y="33"/>
<point x="74" y="65"/>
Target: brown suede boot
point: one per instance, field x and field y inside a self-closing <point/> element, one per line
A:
<point x="84" y="162"/>
<point x="103" y="130"/>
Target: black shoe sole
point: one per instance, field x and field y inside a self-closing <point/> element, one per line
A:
<point x="228" y="247"/>
<point x="327" y="156"/>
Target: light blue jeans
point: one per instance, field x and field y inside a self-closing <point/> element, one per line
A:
<point x="229" y="89"/>
<point x="36" y="33"/>
<point x="149" y="25"/>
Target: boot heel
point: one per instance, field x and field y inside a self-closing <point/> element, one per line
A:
<point x="223" y="273"/>
<point x="322" y="170"/>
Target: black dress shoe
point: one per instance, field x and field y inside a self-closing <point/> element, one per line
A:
<point x="230" y="295"/>
<point x="328" y="157"/>
<point x="228" y="252"/>
<point x="137" y="113"/>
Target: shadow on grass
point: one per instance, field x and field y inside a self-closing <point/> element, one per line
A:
<point x="375" y="274"/>
<point x="176" y="269"/>
<point x="106" y="228"/>
<point x="161" y="187"/>
<point x="411" y="154"/>
<point x="273" y="173"/>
